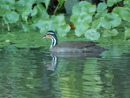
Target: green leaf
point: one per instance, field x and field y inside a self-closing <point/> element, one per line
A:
<point x="74" y="18"/>
<point x="81" y="29"/>
<point x="118" y="10"/>
<point x="22" y="5"/>
<point x="92" y="34"/>
<point x="90" y="8"/>
<point x="127" y="32"/>
<point x="101" y="13"/>
<point x="34" y="12"/>
<point x="5" y="6"/>
<point x="83" y="6"/>
<point x="47" y="2"/>
<point x="41" y="13"/>
<point x="58" y="20"/>
<point x="26" y="14"/>
<point x="12" y="2"/>
<point x="61" y="2"/>
<point x="96" y="24"/>
<point x="104" y="23"/>
<point x="84" y="3"/>
<point x="101" y="7"/>
<point x="45" y="23"/>
<point x="76" y="9"/>
<point x="63" y="30"/>
<point x="127" y="3"/>
<point x="112" y="2"/>
<point x="125" y="14"/>
<point x="28" y="27"/>
<point x="108" y="33"/>
<point x="3" y="11"/>
<point x="110" y="20"/>
<point x="11" y="17"/>
<point x="80" y="18"/>
<point x="83" y="17"/>
<point x="68" y="4"/>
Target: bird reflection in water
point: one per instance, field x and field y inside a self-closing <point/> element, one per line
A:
<point x="52" y="65"/>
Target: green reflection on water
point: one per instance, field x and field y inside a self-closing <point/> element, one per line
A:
<point x="24" y="74"/>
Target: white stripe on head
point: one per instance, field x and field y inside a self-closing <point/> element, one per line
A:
<point x="50" y="33"/>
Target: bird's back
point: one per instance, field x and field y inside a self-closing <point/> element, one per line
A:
<point x="76" y="46"/>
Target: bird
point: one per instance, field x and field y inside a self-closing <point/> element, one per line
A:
<point x="71" y="46"/>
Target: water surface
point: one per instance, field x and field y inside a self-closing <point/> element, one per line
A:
<point x="35" y="73"/>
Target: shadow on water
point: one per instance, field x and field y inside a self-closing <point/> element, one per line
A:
<point x="34" y="73"/>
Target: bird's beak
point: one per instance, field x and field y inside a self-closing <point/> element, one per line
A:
<point x="44" y="37"/>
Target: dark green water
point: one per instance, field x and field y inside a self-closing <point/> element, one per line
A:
<point x="26" y="73"/>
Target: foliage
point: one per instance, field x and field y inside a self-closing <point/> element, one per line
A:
<point x="22" y="10"/>
<point x="90" y="23"/>
<point x="93" y="22"/>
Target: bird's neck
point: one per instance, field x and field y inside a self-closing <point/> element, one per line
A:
<point x="54" y="42"/>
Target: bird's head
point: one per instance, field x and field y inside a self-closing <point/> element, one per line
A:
<point x="52" y="35"/>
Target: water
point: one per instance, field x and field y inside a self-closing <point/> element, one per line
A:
<point x="35" y="73"/>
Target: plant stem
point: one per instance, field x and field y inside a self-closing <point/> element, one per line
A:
<point x="8" y="27"/>
<point x="2" y="22"/>
<point x="56" y="9"/>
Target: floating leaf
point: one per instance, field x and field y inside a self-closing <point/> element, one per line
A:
<point x="92" y="34"/>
